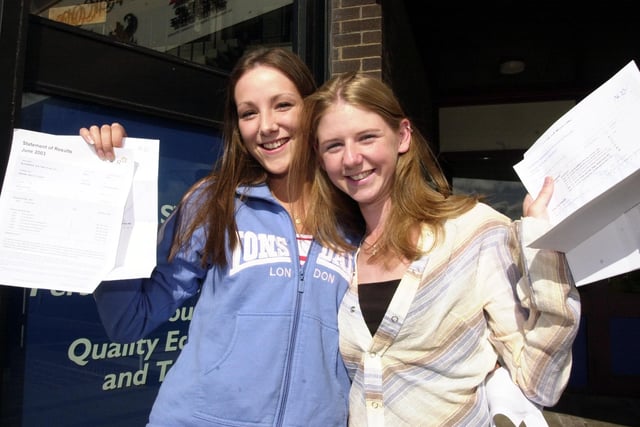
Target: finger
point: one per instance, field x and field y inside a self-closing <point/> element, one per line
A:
<point x="86" y="135"/>
<point x="94" y="137"/>
<point x="526" y="204"/>
<point x="106" y="143"/>
<point x="538" y="208"/>
<point x="118" y="133"/>
<point x="547" y="191"/>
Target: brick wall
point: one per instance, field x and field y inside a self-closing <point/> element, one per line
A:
<point x="356" y="36"/>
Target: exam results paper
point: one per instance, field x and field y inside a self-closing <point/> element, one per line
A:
<point x="592" y="152"/>
<point x="69" y="220"/>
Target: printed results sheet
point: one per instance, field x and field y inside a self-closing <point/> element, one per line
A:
<point x="61" y="213"/>
<point x="592" y="152"/>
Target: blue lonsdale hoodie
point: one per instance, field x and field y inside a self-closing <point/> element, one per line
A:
<point x="262" y="347"/>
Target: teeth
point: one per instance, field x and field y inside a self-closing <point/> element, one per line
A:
<point x="273" y="145"/>
<point x="361" y="175"/>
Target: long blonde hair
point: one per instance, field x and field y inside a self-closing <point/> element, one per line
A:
<point x="420" y="194"/>
<point x="214" y="208"/>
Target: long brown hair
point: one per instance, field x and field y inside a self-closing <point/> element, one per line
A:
<point x="420" y="195"/>
<point x="214" y="207"/>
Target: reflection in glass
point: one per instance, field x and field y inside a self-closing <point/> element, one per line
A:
<point x="207" y="32"/>
<point x="504" y="196"/>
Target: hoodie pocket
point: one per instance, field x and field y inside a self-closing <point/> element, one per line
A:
<point x="243" y="387"/>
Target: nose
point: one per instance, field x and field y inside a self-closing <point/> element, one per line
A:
<point x="352" y="156"/>
<point x="268" y="124"/>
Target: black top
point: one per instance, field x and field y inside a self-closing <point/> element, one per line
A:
<point x="374" y="301"/>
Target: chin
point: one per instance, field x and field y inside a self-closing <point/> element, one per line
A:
<point x="277" y="171"/>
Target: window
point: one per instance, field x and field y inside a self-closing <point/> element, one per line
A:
<point x="207" y="32"/>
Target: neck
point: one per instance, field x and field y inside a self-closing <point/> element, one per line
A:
<point x="290" y="198"/>
<point x="279" y="187"/>
<point x="375" y="216"/>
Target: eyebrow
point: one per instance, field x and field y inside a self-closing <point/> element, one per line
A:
<point x="273" y="98"/>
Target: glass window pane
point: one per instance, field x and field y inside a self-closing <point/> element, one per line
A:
<point x="504" y="196"/>
<point x="207" y="32"/>
<point x="63" y="359"/>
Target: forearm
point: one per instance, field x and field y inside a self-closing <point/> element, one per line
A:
<point x="547" y="291"/>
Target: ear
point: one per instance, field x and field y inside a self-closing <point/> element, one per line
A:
<point x="405" y="136"/>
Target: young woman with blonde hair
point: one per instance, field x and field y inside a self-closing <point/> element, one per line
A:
<point x="445" y="287"/>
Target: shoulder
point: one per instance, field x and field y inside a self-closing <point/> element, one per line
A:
<point x="478" y="224"/>
<point x="481" y="213"/>
<point x="195" y="196"/>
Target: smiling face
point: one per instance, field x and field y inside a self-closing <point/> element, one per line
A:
<point x="359" y="151"/>
<point x="269" y="107"/>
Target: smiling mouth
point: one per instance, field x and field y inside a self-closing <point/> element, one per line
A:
<point x="274" y="144"/>
<point x="361" y="175"/>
